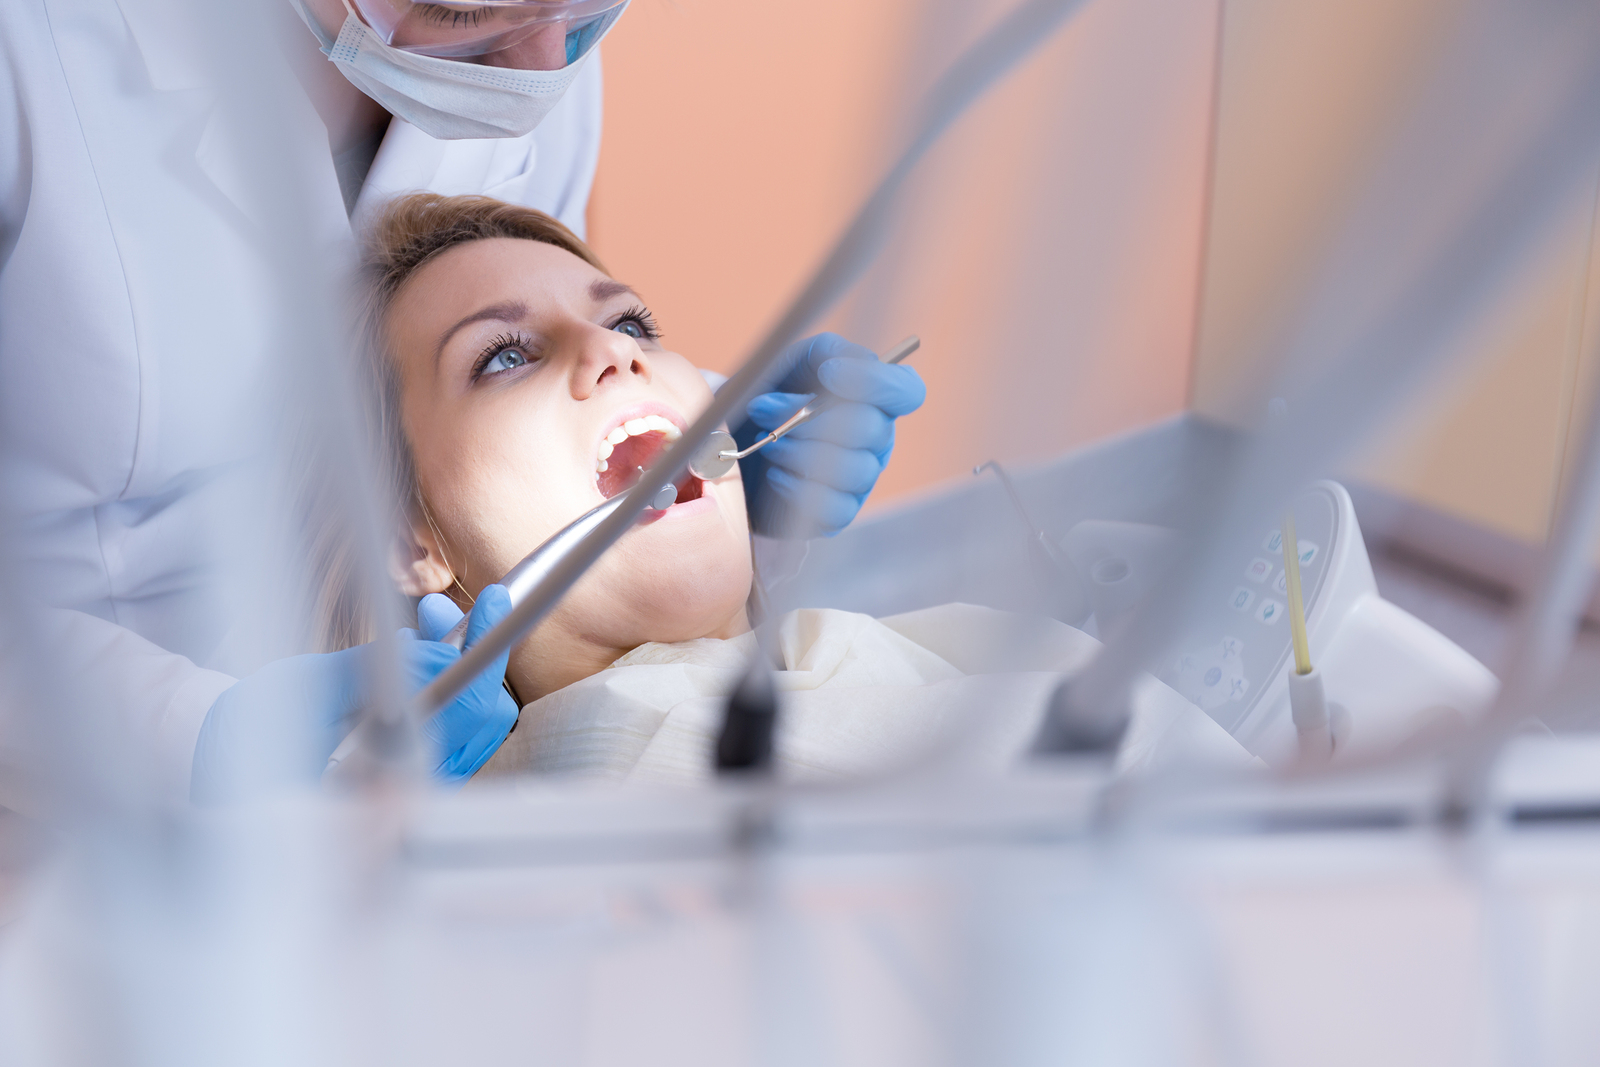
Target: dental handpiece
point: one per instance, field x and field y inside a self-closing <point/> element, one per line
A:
<point x="521" y="579"/>
<point x="719" y="452"/>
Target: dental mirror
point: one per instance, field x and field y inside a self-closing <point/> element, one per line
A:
<point x="715" y="457"/>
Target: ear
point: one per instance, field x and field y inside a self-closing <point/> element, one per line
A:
<point x="416" y="564"/>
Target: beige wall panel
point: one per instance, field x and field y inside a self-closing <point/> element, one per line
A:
<point x="1305" y="85"/>
<point x="1304" y="88"/>
<point x="1486" y="446"/>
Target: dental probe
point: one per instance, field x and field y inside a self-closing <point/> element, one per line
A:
<point x="716" y="457"/>
<point x="536" y="565"/>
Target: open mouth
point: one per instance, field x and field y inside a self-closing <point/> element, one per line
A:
<point x="630" y="448"/>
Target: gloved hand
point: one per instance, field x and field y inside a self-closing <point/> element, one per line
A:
<point x="470" y="729"/>
<point x="247" y="743"/>
<point x="814" y="480"/>
<point x="251" y="741"/>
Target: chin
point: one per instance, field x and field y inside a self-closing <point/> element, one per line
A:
<point x="682" y="590"/>
<point x="701" y="601"/>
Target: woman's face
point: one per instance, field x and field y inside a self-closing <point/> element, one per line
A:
<point x="532" y="387"/>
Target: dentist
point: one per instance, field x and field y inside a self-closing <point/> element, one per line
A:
<point x="130" y="319"/>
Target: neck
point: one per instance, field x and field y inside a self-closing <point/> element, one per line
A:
<point x="554" y="657"/>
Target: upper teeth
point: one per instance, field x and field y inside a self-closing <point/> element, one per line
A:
<point x="633" y="428"/>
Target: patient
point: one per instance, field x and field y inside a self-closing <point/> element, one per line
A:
<point x="522" y="385"/>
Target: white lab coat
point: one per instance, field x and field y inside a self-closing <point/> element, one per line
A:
<point x="128" y="301"/>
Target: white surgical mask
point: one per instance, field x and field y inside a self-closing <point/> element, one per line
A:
<point x="447" y="98"/>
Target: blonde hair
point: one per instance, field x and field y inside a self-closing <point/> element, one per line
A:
<point x="415" y="228"/>
<point x="409" y="233"/>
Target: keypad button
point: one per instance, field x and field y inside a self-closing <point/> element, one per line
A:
<point x="1282" y="584"/>
<point x="1212" y="677"/>
<point x="1269" y="612"/>
<point x="1274" y="542"/>
<point x="1308" y="552"/>
<point x="1259" y="570"/>
<point x="1242" y="599"/>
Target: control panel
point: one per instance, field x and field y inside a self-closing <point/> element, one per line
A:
<point x="1228" y="662"/>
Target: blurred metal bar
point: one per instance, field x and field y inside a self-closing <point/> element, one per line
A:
<point x="1546" y="626"/>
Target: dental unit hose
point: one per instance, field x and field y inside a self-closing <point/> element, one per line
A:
<point x="718" y="454"/>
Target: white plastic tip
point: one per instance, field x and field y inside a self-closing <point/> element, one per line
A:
<point x="1308" y="707"/>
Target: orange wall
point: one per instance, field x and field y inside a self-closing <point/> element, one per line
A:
<point x="734" y="138"/>
<point x="1309" y="90"/>
<point x="1051" y="248"/>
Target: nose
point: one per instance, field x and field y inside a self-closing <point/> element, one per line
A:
<point x="607" y="356"/>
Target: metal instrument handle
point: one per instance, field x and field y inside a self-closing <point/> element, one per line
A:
<point x="823" y="403"/>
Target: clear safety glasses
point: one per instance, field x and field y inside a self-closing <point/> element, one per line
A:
<point x="524" y="34"/>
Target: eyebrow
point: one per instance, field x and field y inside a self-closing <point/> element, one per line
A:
<point x="509" y="312"/>
<point x="603" y="289"/>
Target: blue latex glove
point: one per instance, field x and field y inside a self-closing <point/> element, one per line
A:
<point x="813" y="481"/>
<point x="470" y="729"/>
<point x="243" y="747"/>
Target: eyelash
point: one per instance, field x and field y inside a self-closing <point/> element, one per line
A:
<point x="641" y="315"/>
<point x="440" y="15"/>
<point x="518" y="341"/>
<point x="522" y="343"/>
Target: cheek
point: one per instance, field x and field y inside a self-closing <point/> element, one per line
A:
<point x="497" y="485"/>
<point x="687" y="385"/>
<point x="664" y="587"/>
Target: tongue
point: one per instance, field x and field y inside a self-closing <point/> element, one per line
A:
<point x="622" y="467"/>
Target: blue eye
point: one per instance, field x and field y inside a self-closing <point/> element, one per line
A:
<point x="505" y="359"/>
<point x="637" y="323"/>
<point x="506" y="352"/>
